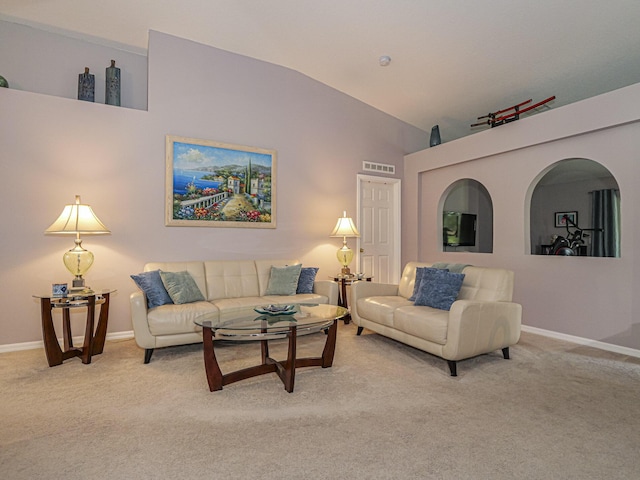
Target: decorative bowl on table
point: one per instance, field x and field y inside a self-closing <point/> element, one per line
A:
<point x="276" y="309"/>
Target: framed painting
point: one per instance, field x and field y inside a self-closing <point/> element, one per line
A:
<point x="213" y="184"/>
<point x="561" y="219"/>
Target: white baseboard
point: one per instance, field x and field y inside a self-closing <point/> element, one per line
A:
<point x="583" y="341"/>
<point x="14" y="347"/>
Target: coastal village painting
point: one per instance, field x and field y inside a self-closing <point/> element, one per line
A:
<point x="214" y="184"/>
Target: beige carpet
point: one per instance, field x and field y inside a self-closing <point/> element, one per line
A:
<point x="383" y="411"/>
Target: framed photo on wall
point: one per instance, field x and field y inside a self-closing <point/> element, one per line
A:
<point x="560" y="220"/>
<point x="213" y="184"/>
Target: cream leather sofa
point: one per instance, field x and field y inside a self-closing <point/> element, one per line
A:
<point x="481" y="320"/>
<point x="229" y="287"/>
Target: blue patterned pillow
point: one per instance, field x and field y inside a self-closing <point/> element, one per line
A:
<point x="181" y="286"/>
<point x="416" y="285"/>
<point x="439" y="288"/>
<point x="151" y="284"/>
<point x="307" y="277"/>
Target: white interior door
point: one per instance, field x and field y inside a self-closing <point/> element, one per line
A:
<point x="379" y="225"/>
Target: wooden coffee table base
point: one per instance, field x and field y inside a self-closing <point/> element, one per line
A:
<point x="285" y="370"/>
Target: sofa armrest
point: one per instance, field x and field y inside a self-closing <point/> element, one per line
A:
<point x="138" y="304"/>
<point x="327" y="288"/>
<point x="477" y="327"/>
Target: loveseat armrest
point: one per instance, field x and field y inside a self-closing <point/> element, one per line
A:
<point x="362" y="289"/>
<point x="141" y="332"/>
<point x="327" y="288"/>
<point x="477" y="327"/>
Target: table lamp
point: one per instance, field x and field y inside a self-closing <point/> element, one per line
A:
<point x="345" y="228"/>
<point x="77" y="219"/>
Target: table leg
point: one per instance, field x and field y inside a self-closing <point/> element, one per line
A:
<point x="87" y="346"/>
<point x="101" y="331"/>
<point x="51" y="346"/>
<point x="66" y="329"/>
<point x="345" y="302"/>
<point x="330" y="345"/>
<point x="290" y="368"/>
<point x="214" y="374"/>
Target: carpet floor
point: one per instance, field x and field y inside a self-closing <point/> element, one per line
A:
<point x="383" y="411"/>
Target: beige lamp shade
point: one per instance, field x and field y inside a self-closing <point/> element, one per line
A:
<point x="77" y="219"/>
<point x="345" y="228"/>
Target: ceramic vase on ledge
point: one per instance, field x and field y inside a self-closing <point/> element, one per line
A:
<point x="3" y="82"/>
<point x="435" y="136"/>
<point x="112" y="92"/>
<point x="86" y="86"/>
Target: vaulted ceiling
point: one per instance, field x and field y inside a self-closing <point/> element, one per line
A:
<point x="451" y="60"/>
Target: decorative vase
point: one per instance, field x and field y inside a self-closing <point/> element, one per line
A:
<point x="3" y="82"/>
<point x="435" y="136"/>
<point x="86" y="86"/>
<point x="112" y="92"/>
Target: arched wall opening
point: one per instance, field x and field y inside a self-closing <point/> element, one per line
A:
<point x="575" y="210"/>
<point x="467" y="217"/>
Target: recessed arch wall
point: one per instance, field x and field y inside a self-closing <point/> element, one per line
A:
<point x="566" y="186"/>
<point x="468" y="196"/>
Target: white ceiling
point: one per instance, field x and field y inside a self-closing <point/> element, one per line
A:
<point x="452" y="60"/>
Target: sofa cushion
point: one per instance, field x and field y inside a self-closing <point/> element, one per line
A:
<point x="231" y="279"/>
<point x="438" y="288"/>
<point x="178" y="319"/>
<point x="283" y="280"/>
<point x="151" y="284"/>
<point x="306" y="280"/>
<point x="181" y="287"/>
<point x="423" y="322"/>
<point x="381" y="309"/>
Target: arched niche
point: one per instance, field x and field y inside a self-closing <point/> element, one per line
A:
<point x="467" y="217"/>
<point x="575" y="186"/>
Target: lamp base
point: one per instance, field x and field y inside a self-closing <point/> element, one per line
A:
<point x="346" y="271"/>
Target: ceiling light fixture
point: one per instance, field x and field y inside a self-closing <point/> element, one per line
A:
<point x="385" y="60"/>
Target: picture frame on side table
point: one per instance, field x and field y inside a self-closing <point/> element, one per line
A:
<point x="560" y="220"/>
<point x="214" y="184"/>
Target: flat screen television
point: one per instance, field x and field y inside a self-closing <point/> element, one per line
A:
<point x="459" y="229"/>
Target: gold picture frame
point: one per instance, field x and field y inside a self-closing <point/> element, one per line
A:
<point x="214" y="184"/>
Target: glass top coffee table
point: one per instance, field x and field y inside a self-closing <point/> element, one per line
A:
<point x="266" y="324"/>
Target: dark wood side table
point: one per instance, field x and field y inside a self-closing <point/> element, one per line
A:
<point x="94" y="338"/>
<point x="344" y="281"/>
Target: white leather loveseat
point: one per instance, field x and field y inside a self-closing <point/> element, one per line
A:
<point x="227" y="286"/>
<point x="481" y="320"/>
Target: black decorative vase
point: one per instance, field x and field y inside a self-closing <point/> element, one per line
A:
<point x="112" y="91"/>
<point x="435" y="136"/>
<point x="86" y="86"/>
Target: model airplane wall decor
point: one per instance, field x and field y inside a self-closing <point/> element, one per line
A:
<point x="510" y="114"/>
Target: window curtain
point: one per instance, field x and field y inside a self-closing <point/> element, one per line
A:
<point x="605" y="219"/>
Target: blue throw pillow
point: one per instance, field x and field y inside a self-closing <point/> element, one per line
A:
<point x="416" y="285"/>
<point x="151" y="284"/>
<point x="307" y="277"/>
<point x="181" y="286"/>
<point x="439" y="288"/>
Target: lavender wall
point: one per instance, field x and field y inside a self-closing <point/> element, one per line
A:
<point x="588" y="298"/>
<point x="54" y="148"/>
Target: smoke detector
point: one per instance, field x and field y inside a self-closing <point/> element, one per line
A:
<point x="385" y="60"/>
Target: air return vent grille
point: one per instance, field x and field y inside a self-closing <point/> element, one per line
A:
<point x="378" y="167"/>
